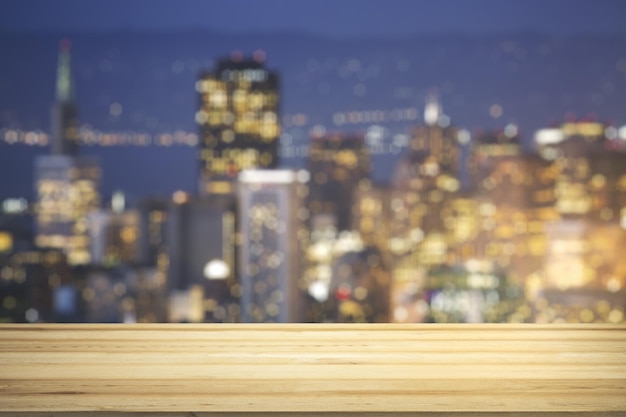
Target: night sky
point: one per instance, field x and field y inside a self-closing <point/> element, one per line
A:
<point x="328" y="17"/>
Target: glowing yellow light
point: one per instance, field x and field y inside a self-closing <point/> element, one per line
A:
<point x="129" y="234"/>
<point x="583" y="129"/>
<point x="6" y="242"/>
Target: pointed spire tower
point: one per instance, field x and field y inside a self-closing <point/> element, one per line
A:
<point x="64" y="112"/>
<point x="67" y="184"/>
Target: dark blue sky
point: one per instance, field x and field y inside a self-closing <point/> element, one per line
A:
<point x="330" y="17"/>
<point x="333" y="18"/>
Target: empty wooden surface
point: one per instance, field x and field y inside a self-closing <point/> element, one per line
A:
<point x="315" y="368"/>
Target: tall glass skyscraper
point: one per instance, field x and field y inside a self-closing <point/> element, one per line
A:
<point x="271" y="256"/>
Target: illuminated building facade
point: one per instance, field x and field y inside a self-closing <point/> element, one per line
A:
<point x="202" y="254"/>
<point x="338" y="163"/>
<point x="114" y="237"/>
<point x="594" y="137"/>
<point x="425" y="186"/>
<point x="585" y="276"/>
<point x="425" y="181"/>
<point x="440" y="236"/>
<point x="359" y="290"/>
<point x="271" y="255"/>
<point x="437" y="227"/>
<point x="437" y="138"/>
<point x="67" y="191"/>
<point x="150" y="304"/>
<point x="590" y="175"/>
<point x="582" y="278"/>
<point x="238" y="120"/>
<point x="29" y="279"/>
<point x="152" y="245"/>
<point x="517" y="199"/>
<point x="487" y="150"/>
<point x="552" y="215"/>
<point x="372" y="214"/>
<point x="66" y="185"/>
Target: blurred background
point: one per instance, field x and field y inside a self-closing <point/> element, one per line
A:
<point x="313" y="161"/>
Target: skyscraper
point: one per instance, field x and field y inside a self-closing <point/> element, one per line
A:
<point x="271" y="254"/>
<point x="66" y="184"/>
<point x="64" y="114"/>
<point x="152" y="244"/>
<point x="437" y="138"/>
<point x="114" y="237"/>
<point x="201" y="236"/>
<point x="338" y="163"/>
<point x="238" y="120"/>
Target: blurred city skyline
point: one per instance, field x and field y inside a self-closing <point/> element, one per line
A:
<point x="133" y="85"/>
<point x="175" y="171"/>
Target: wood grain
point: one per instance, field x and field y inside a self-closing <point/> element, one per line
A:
<point x="437" y="370"/>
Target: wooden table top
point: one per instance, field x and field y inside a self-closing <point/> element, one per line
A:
<point x="334" y="368"/>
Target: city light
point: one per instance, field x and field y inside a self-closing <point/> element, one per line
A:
<point x="216" y="269"/>
<point x="321" y="186"/>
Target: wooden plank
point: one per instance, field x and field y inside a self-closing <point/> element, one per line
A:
<point x="434" y="370"/>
